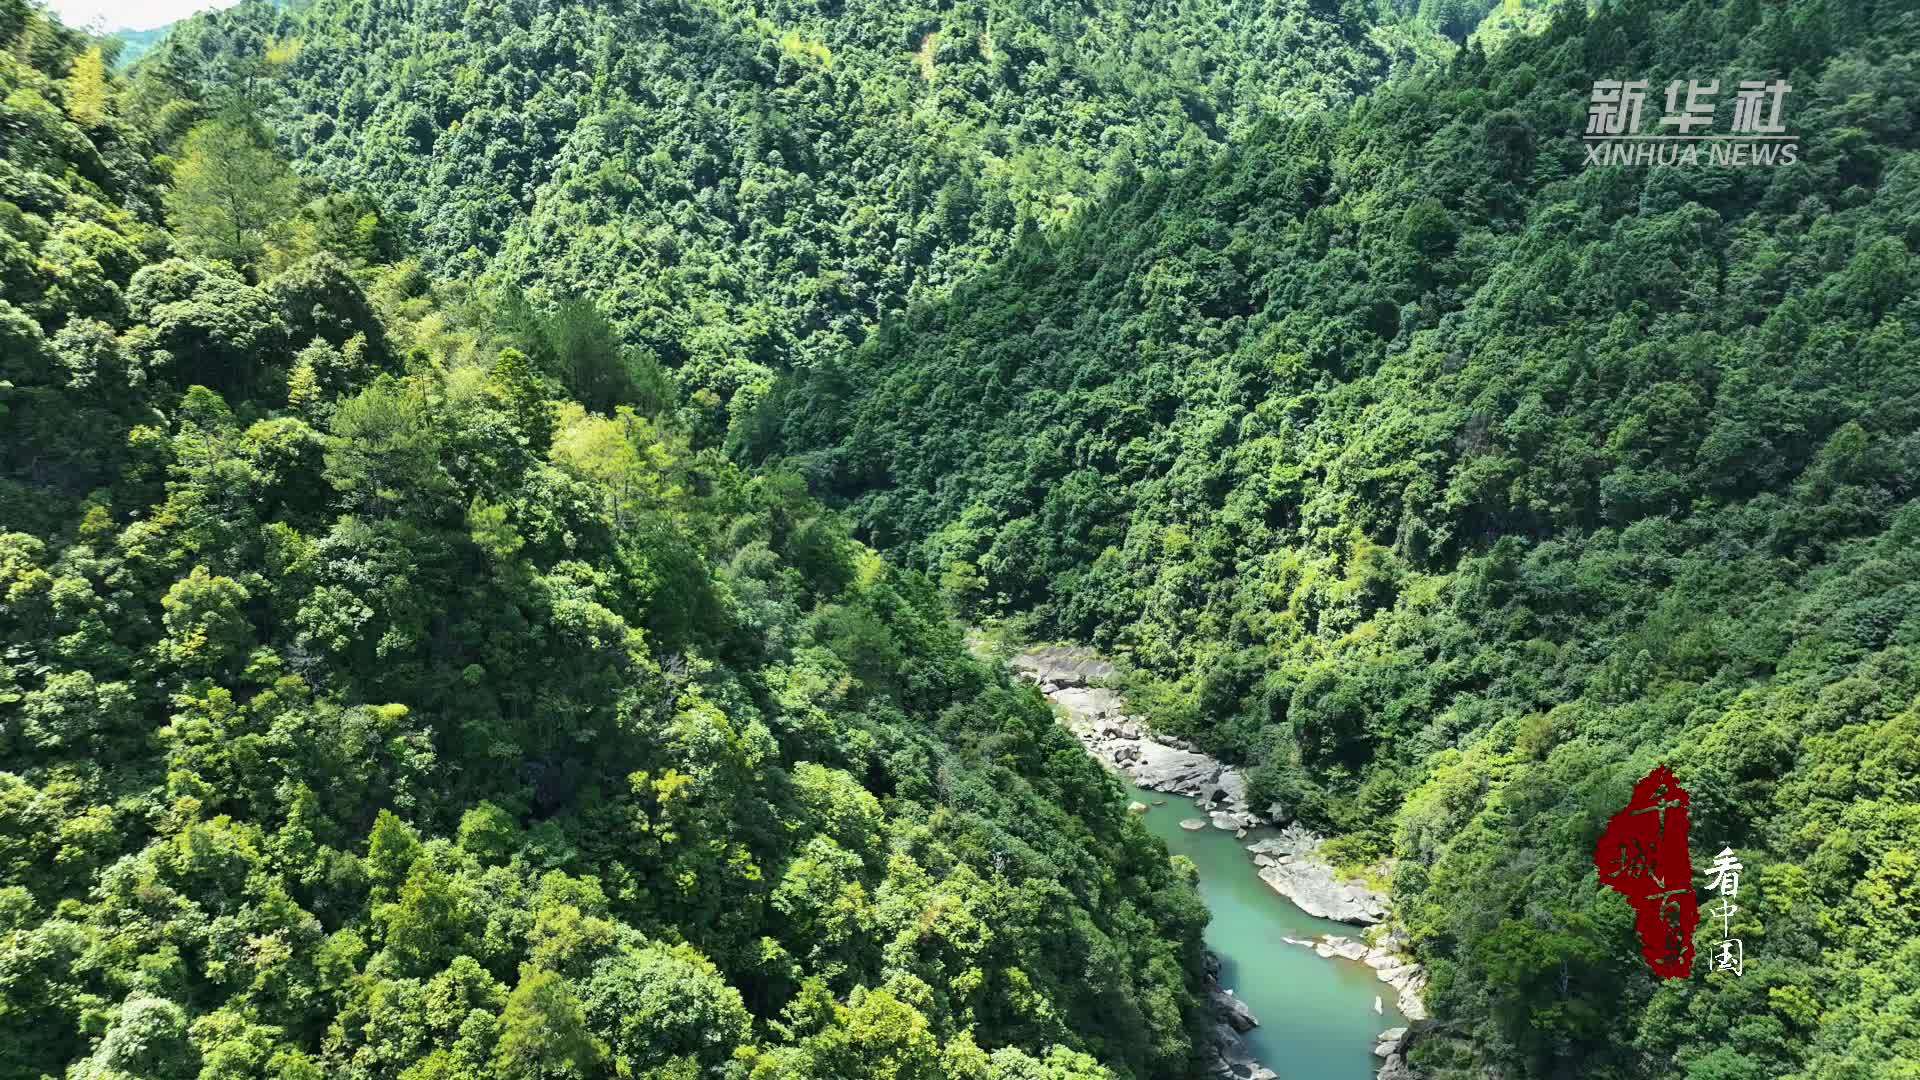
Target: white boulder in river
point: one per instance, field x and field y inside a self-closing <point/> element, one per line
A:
<point x="1160" y="767"/>
<point x="1291" y="864"/>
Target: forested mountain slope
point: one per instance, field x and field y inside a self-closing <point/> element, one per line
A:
<point x="371" y="709"/>
<point x="748" y="186"/>
<point x="1454" y="485"/>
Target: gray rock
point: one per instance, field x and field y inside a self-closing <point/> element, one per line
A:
<point x="1232" y="1059"/>
<point x="1160" y="767"/>
<point x="1065" y="665"/>
<point x="1193" y="824"/>
<point x="1293" y="840"/>
<point x="1314" y="889"/>
<point x="1393" y="1045"/>
<point x="1096" y="705"/>
<point x="1411" y="1004"/>
<point x="1293" y="869"/>
<point x="1346" y="948"/>
<point x="1137" y="808"/>
<point x="1232" y="1010"/>
<point x="1398" y="975"/>
<point x="1230" y="788"/>
<point x="1396" y="1068"/>
<point x="1248" y="1069"/>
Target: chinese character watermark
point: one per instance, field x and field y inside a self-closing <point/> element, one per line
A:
<point x="1723" y="877"/>
<point x="1643" y="856"/>
<point x="1696" y="111"/>
<point x="1684" y="133"/>
<point x="1753" y="97"/>
<point x="1615" y="109"/>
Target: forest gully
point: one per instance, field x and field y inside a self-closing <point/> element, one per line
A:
<point x="493" y="494"/>
<point x="1308" y="980"/>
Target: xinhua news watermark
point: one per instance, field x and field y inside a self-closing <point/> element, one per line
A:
<point x="1685" y="133"/>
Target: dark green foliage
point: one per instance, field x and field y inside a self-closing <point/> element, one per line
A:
<point x="392" y="688"/>
<point x="320" y="300"/>
<point x="575" y="345"/>
<point x="368" y="709"/>
<point x="1453" y="485"/>
<point x="747" y="187"/>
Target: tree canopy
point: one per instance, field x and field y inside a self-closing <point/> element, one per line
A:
<point x="485" y="489"/>
<point x="1451" y="484"/>
<point x="392" y="689"/>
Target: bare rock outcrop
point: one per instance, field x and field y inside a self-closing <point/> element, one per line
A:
<point x="1232" y="1060"/>
<point x="1232" y="1010"/>
<point x="1158" y="767"/>
<point x="1394" y="1045"/>
<point x="1292" y="865"/>
<point x="1389" y="964"/>
<point x="1063" y="665"/>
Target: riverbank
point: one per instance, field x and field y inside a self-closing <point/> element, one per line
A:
<point x="1282" y="855"/>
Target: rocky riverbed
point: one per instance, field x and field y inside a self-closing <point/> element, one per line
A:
<point x="1288" y="862"/>
<point x="1388" y="960"/>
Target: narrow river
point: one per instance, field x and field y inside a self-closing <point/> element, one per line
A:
<point x="1316" y="1015"/>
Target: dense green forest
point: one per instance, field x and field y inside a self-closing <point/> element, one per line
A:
<point x="484" y="488"/>
<point x="371" y="706"/>
<point x="1454" y="485"/>
<point x="750" y="186"/>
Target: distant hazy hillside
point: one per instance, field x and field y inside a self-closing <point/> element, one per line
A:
<point x="135" y="44"/>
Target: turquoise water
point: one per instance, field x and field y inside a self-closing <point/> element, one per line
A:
<point x="1316" y="1016"/>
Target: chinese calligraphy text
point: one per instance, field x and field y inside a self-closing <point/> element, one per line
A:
<point x="1643" y="856"/>
<point x="1723" y="877"/>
